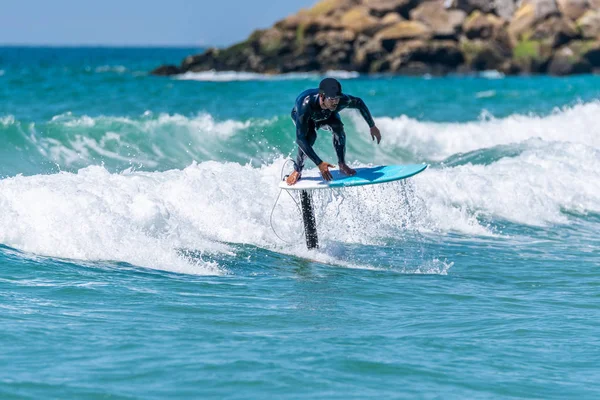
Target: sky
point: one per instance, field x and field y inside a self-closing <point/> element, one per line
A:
<point x="137" y="22"/>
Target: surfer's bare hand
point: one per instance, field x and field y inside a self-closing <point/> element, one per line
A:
<point x="375" y="134"/>
<point x="324" y="168"/>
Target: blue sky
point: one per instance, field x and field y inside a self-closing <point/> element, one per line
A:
<point x="137" y="22"/>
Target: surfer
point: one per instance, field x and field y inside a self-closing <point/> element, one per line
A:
<point x="318" y="109"/>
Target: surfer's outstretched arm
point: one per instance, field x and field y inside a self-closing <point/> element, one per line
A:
<point x="358" y="104"/>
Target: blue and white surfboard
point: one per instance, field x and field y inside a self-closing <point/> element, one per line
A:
<point x="312" y="180"/>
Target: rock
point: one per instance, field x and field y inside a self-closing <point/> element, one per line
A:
<point x="573" y="9"/>
<point x="331" y="38"/>
<point x="481" y="26"/>
<point x="532" y="56"/>
<point x="443" y="23"/>
<point x="510" y="67"/>
<point x="418" y="69"/>
<point x="165" y="70"/>
<point x="300" y="62"/>
<point x="381" y="7"/>
<point x="502" y="40"/>
<point x="442" y="52"/>
<point x="589" y="24"/>
<point x="421" y="56"/>
<point x="403" y="30"/>
<point x="529" y="13"/>
<point x="336" y="55"/>
<point x="555" y="30"/>
<point x="468" y="6"/>
<point x="330" y="8"/>
<point x="490" y="57"/>
<point x="505" y="9"/>
<point x="483" y="55"/>
<point x="543" y="8"/>
<point x="380" y="65"/>
<point x="359" y="20"/>
<point x="202" y="62"/>
<point x="366" y="52"/>
<point x="594" y="58"/>
<point x="589" y="50"/>
<point x="320" y="23"/>
<point x="272" y="42"/>
<point x="502" y="8"/>
<point x="334" y="58"/>
<point x="419" y="36"/>
<point x="243" y="56"/>
<point x="292" y="22"/>
<point x="390" y="19"/>
<point x="566" y="62"/>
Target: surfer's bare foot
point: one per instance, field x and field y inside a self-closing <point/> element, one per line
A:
<point x="346" y="170"/>
<point x="293" y="178"/>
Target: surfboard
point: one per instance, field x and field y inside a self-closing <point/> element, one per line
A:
<point x="312" y="180"/>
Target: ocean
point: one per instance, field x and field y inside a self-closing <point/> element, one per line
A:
<point x="146" y="251"/>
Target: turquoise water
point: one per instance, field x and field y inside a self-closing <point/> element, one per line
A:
<point x="143" y="254"/>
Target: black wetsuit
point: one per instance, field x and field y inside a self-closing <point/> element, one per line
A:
<point x="309" y="116"/>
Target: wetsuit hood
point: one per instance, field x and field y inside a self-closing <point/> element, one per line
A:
<point x="330" y="87"/>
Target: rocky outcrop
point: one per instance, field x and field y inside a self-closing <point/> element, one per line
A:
<point x="573" y="9"/>
<point x="444" y="23"/>
<point x="529" y="14"/>
<point x="418" y="36"/>
<point x="589" y="24"/>
<point x="568" y="61"/>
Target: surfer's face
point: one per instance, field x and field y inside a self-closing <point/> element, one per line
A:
<point x="331" y="103"/>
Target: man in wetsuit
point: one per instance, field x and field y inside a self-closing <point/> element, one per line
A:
<point x="318" y="109"/>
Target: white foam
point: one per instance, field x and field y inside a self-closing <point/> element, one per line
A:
<point x="94" y="215"/>
<point x="533" y="188"/>
<point x="437" y="141"/>
<point x="486" y="94"/>
<point x="203" y="123"/>
<point x="120" y="69"/>
<point x="492" y="74"/>
<point x="342" y="74"/>
<point x="229" y="76"/>
<point x="7" y="120"/>
<point x="143" y="218"/>
<point x="225" y="76"/>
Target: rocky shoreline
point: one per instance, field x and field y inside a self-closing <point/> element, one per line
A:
<point x="415" y="37"/>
